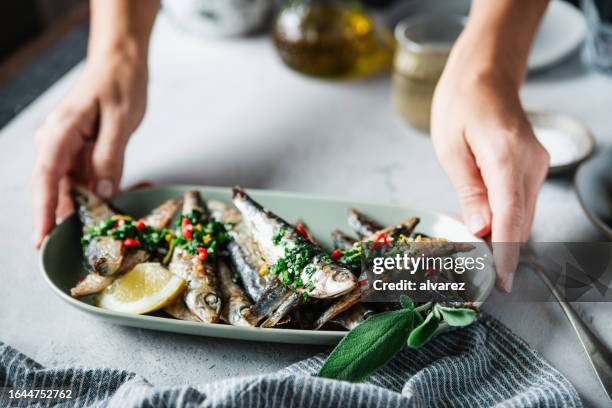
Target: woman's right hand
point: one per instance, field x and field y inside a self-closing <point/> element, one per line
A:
<point x="84" y="139"/>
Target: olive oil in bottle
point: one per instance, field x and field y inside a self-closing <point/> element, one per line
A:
<point x="331" y="38"/>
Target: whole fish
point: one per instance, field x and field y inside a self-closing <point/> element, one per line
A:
<point x="321" y="277"/>
<point x="201" y="295"/>
<point x="294" y="300"/>
<point x="106" y="256"/>
<point x="236" y="304"/>
<point x="363" y="225"/>
<point x="244" y="254"/>
<point x="352" y="317"/>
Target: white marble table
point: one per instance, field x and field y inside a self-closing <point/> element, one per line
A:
<point x="225" y="113"/>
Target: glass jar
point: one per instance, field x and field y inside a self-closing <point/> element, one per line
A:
<point x="423" y="45"/>
<point x="330" y="38"/>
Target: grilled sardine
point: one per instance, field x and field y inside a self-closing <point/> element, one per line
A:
<point x="321" y="277"/>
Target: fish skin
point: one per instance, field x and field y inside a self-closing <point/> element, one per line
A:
<point x="342" y="304"/>
<point x="329" y="279"/>
<point x="244" y="254"/>
<point x="363" y="225"/>
<point x="161" y="216"/>
<point x="341" y="240"/>
<point x="292" y="302"/>
<point x="272" y="298"/>
<point x="94" y="282"/>
<point x="352" y="317"/>
<point x="179" y="310"/>
<point x="236" y="304"/>
<point x="201" y="295"/>
<point x="91" y="208"/>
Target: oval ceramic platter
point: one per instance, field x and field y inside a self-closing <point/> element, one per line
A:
<point x="61" y="259"/>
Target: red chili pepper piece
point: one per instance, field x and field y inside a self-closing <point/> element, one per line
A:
<point x="130" y="242"/>
<point x="302" y="230"/>
<point x="140" y="224"/>
<point x="202" y="253"/>
<point x="382" y="237"/>
<point x="187" y="228"/>
<point x="337" y="254"/>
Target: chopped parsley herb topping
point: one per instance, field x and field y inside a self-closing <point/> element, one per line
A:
<point x="297" y="260"/>
<point x="196" y="236"/>
<point x="134" y="234"/>
<point x="200" y="237"/>
<point x="353" y="257"/>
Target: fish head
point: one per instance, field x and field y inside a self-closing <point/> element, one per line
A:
<point x="105" y="255"/>
<point x="330" y="281"/>
<point x="239" y="315"/>
<point x="206" y="306"/>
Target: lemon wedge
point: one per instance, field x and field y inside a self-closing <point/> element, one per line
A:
<point x="145" y="288"/>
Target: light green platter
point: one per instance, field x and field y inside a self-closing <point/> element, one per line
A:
<point x="61" y="258"/>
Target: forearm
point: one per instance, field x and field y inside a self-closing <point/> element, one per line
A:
<point x="498" y="37"/>
<point x="121" y="26"/>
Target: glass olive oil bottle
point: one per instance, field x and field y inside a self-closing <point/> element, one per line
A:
<point x="330" y="38"/>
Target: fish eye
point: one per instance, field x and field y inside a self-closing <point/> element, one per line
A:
<point x="212" y="299"/>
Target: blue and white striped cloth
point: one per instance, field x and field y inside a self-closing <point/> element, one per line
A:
<point x="482" y="365"/>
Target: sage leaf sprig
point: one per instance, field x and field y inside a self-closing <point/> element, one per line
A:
<point x="372" y="344"/>
<point x="369" y="346"/>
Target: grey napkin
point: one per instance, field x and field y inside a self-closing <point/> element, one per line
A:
<point x="482" y="365"/>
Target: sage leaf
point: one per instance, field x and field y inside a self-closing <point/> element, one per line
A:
<point x="369" y="346"/>
<point x="406" y="302"/>
<point x="424" y="332"/>
<point x="457" y="316"/>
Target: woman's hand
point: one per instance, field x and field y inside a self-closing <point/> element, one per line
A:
<point x="84" y="139"/>
<point x="488" y="149"/>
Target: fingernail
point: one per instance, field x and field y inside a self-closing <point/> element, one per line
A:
<point x="35" y="237"/>
<point x="476" y="223"/>
<point x="104" y="188"/>
<point x="507" y="283"/>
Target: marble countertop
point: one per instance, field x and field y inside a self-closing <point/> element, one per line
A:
<point x="225" y="113"/>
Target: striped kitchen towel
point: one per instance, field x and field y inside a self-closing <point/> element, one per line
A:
<point x="482" y="365"/>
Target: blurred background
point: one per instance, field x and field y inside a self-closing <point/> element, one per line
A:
<point x="40" y="40"/>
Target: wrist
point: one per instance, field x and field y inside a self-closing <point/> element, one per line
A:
<point x="126" y="54"/>
<point x="473" y="60"/>
<point x="125" y="48"/>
